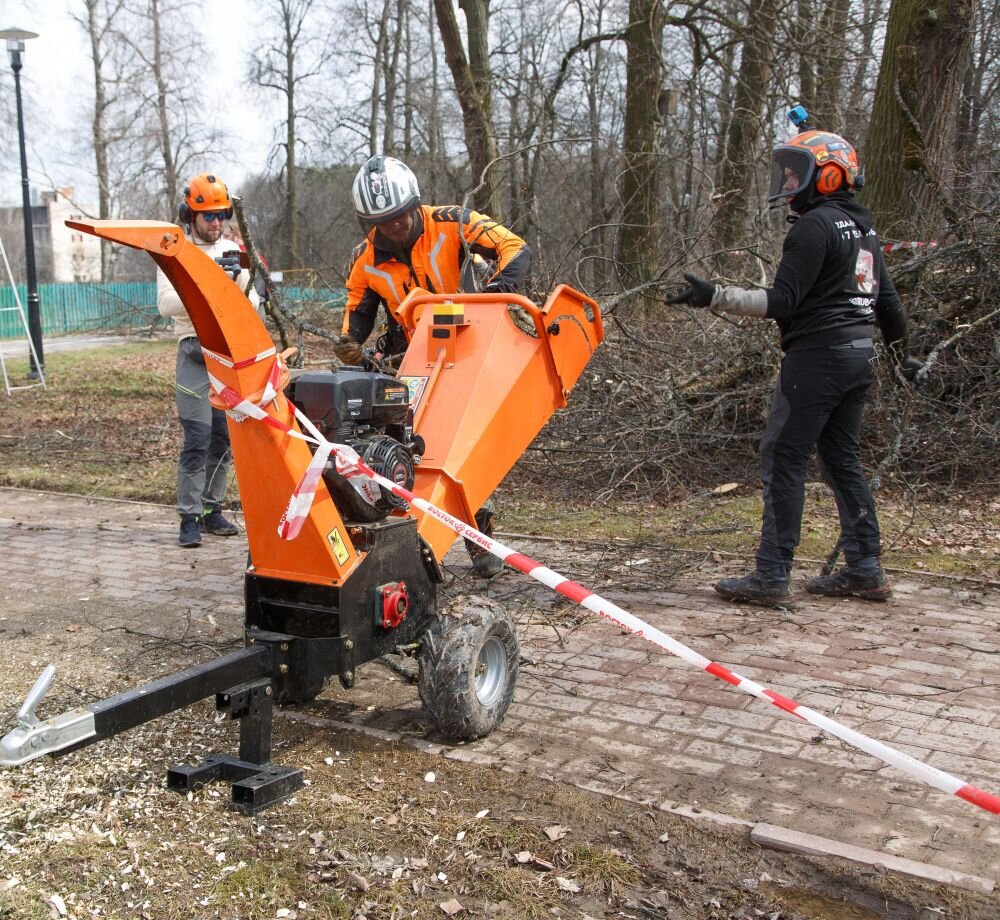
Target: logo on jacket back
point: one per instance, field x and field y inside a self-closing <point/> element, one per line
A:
<point x="864" y="272"/>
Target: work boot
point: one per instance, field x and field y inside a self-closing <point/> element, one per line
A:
<point x="190" y="535"/>
<point x="484" y="563"/>
<point x="760" y="587"/>
<point x="213" y="522"/>
<point x="850" y="582"/>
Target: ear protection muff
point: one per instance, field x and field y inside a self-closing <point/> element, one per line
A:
<point x="829" y="179"/>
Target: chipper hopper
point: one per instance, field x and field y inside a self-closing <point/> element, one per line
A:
<point x="341" y="570"/>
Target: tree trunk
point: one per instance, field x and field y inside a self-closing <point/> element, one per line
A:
<point x="379" y="69"/>
<point x="910" y="151"/>
<point x="471" y="76"/>
<point x="831" y="67"/>
<point x="292" y="259"/>
<point x="738" y="167"/>
<point x="95" y="31"/>
<point x="164" y="137"/>
<point x="638" y="242"/>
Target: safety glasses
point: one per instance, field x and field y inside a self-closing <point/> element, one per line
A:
<point x="209" y="216"/>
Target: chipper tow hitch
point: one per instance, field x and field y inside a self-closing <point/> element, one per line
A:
<point x="344" y="570"/>
<point x="242" y="685"/>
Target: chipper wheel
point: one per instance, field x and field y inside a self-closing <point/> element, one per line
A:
<point x="468" y="668"/>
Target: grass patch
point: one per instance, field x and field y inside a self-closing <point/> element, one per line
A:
<point x="605" y="870"/>
<point x="107" y="426"/>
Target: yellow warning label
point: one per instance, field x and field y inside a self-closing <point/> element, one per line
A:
<point x="337" y="542"/>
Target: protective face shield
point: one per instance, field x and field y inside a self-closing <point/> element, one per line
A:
<point x="811" y="164"/>
<point x="791" y="173"/>
<point x="383" y="188"/>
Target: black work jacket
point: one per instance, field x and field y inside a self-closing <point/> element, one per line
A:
<point x="832" y="284"/>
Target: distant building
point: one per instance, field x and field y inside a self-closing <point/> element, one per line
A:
<point x="62" y="255"/>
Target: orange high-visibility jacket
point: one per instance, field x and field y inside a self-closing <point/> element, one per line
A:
<point x="380" y="276"/>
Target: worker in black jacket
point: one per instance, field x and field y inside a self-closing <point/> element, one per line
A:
<point x="830" y="289"/>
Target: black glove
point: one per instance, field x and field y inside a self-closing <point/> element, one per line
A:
<point x="230" y="262"/>
<point x="348" y="351"/>
<point x="909" y="367"/>
<point x="698" y="293"/>
<point x="499" y="286"/>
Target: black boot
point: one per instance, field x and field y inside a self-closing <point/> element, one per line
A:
<point x="213" y="522"/>
<point x="190" y="535"/>
<point x="847" y="582"/>
<point x="758" y="586"/>
<point x="484" y="563"/>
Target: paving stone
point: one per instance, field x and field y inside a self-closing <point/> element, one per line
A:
<point x="611" y="712"/>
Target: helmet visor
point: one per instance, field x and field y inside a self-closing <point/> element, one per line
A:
<point x="791" y="173"/>
<point x="369" y="222"/>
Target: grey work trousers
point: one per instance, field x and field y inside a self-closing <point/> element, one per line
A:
<point x="205" y="457"/>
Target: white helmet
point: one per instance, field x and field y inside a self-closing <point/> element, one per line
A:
<point x="383" y="188"/>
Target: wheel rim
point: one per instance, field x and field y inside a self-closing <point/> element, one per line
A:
<point x="491" y="672"/>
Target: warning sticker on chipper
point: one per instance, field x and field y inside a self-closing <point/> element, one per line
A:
<point x="416" y="386"/>
<point x="337" y="542"/>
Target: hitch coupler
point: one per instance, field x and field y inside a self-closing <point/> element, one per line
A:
<point x="34" y="737"/>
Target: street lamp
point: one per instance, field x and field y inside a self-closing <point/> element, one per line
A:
<point x="15" y="48"/>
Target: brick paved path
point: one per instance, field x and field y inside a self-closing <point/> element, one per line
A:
<point x="610" y="712"/>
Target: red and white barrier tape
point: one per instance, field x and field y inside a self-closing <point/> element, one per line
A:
<point x="893" y="247"/>
<point x="351" y="465"/>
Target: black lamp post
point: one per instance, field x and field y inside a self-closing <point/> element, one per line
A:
<point x="15" y="48"/>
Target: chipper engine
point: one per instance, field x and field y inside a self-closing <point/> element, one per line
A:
<point x="341" y="569"/>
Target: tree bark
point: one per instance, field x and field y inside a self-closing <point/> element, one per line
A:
<point x="638" y="242"/>
<point x="164" y="136"/>
<point x="471" y="76"/>
<point x="96" y="32"/>
<point x="910" y="151"/>
<point x="738" y="167"/>
<point x="832" y="66"/>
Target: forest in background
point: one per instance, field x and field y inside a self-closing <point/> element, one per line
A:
<point x="625" y="141"/>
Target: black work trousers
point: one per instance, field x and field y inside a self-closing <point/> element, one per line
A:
<point x="818" y="402"/>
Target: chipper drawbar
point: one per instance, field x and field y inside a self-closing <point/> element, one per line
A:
<point x="342" y="571"/>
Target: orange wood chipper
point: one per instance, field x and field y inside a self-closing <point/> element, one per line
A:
<point x="352" y="576"/>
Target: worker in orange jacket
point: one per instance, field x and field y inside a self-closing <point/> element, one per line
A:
<point x="412" y="245"/>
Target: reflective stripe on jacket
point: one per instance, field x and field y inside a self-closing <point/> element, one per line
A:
<point x="384" y="277"/>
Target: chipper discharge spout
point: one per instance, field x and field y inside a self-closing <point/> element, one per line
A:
<point x="343" y="570"/>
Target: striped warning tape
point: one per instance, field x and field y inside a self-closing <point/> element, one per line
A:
<point x="350" y="464"/>
<point x="893" y="247"/>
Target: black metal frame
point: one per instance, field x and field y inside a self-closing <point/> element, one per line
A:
<point x="339" y="628"/>
<point x="296" y="636"/>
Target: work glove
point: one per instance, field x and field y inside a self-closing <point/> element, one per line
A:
<point x="698" y="293"/>
<point x="348" y="351"/>
<point x="499" y="286"/>
<point x="230" y="262"/>
<point x="909" y="367"/>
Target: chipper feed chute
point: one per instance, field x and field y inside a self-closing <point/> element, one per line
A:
<point x="483" y="387"/>
<point x="352" y="575"/>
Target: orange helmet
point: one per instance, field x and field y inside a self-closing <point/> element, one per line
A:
<point x="815" y="160"/>
<point x="205" y="192"/>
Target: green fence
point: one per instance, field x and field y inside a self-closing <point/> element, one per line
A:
<point x="122" y="306"/>
<point x="82" y="307"/>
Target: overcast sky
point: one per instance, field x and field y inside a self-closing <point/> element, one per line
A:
<point x="57" y="91"/>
